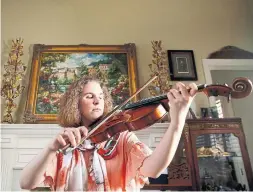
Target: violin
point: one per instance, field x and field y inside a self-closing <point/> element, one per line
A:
<point x="146" y="112"/>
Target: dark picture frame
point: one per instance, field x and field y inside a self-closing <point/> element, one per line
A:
<point x="182" y="65"/>
<point x="55" y="67"/>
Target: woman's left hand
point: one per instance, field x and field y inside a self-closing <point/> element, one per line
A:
<point x="180" y="99"/>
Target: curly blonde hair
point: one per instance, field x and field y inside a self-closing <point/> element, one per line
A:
<point x="69" y="114"/>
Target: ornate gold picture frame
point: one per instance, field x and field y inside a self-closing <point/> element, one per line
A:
<point x="55" y="67"/>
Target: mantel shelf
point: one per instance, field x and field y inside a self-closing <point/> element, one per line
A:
<point x="51" y="129"/>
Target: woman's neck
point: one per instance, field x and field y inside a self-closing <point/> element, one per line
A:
<point x="85" y="123"/>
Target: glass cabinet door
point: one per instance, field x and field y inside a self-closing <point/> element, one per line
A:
<point x="220" y="163"/>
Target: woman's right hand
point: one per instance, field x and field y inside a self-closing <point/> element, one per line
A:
<point x="68" y="135"/>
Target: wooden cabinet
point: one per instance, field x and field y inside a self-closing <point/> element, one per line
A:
<point x="212" y="155"/>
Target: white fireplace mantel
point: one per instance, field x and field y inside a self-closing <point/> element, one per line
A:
<point x="21" y="142"/>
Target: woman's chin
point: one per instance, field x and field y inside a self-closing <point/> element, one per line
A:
<point x="95" y="117"/>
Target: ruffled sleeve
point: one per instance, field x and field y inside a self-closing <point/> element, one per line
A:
<point x="135" y="152"/>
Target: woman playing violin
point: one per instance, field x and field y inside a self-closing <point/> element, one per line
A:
<point x="84" y="169"/>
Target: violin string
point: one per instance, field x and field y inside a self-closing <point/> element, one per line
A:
<point x="154" y="99"/>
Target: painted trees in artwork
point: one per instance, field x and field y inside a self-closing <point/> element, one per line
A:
<point x="57" y="73"/>
<point x="118" y="83"/>
<point x="112" y="71"/>
<point x="52" y="83"/>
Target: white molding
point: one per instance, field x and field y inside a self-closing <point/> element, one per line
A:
<point x="7" y="161"/>
<point x="154" y="140"/>
<point x="29" y="126"/>
<point x="228" y="64"/>
<point x="30" y="129"/>
<point x="223" y="64"/>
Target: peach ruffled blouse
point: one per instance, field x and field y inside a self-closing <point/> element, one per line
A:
<point x="85" y="170"/>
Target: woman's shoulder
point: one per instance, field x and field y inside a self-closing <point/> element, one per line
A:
<point x="130" y="142"/>
<point x="129" y="136"/>
<point x="129" y="139"/>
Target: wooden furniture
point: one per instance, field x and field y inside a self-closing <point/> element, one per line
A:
<point x="212" y="155"/>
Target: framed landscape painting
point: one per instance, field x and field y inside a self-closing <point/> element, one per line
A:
<point x="55" y="67"/>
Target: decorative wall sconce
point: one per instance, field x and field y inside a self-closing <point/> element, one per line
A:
<point x="11" y="84"/>
<point x="159" y="67"/>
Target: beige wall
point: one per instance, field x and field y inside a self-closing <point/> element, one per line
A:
<point x="200" y="25"/>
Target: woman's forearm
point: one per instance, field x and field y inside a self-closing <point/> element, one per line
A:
<point x="163" y="153"/>
<point x="32" y="174"/>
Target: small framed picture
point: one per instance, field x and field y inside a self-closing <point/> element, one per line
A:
<point x="182" y="65"/>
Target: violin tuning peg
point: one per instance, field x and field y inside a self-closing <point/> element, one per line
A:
<point x="229" y="97"/>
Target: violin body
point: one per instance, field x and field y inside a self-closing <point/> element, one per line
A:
<point x="131" y="120"/>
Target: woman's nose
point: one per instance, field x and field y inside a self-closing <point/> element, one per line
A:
<point x="96" y="100"/>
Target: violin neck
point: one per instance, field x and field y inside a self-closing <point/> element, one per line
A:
<point x="154" y="100"/>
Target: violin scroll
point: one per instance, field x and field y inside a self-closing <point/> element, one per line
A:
<point x="242" y="87"/>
